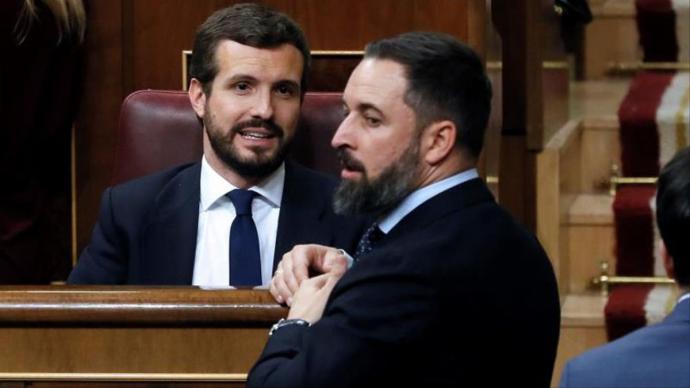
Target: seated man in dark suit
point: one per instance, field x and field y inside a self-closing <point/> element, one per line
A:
<point x="224" y="220"/>
<point x="657" y="355"/>
<point x="446" y="289"/>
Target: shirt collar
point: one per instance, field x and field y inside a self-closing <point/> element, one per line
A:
<point x="684" y="297"/>
<point x="422" y="195"/>
<point x="214" y="186"/>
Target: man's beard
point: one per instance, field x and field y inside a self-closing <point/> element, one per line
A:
<point x="378" y="196"/>
<point x="257" y="166"/>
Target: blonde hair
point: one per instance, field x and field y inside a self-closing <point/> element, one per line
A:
<point x="70" y="19"/>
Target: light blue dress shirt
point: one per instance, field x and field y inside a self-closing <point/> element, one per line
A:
<point x="419" y="196"/>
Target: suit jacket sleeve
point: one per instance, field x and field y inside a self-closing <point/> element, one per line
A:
<point x="345" y="348"/>
<point x="104" y="260"/>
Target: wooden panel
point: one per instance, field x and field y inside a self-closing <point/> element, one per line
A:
<point x="162" y="29"/>
<point x="105" y="305"/>
<point x="615" y="20"/>
<point x="589" y="244"/>
<point x="348" y="25"/>
<point x="535" y="97"/>
<point x="100" y="106"/>
<point x="600" y="150"/>
<point x="548" y="197"/>
<point x="519" y="25"/>
<point x="555" y="75"/>
<point x="555" y="168"/>
<point x="130" y="350"/>
<point x="330" y="71"/>
<point x="77" y="331"/>
<point x="555" y="85"/>
<point x="582" y="328"/>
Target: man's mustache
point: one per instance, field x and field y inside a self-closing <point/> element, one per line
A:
<point x="348" y="161"/>
<point x="275" y="129"/>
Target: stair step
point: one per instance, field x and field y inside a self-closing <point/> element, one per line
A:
<point x="612" y="8"/>
<point x="598" y="99"/>
<point x="591" y="209"/>
<point x="583" y="310"/>
<point x="582" y="327"/>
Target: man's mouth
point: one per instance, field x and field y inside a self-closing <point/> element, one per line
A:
<point x="349" y="163"/>
<point x="256" y="134"/>
<point x="258" y="130"/>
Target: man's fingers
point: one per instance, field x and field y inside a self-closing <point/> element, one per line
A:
<point x="294" y="268"/>
<point x="302" y="259"/>
<point x="300" y="269"/>
<point x="335" y="262"/>
<point x="320" y="281"/>
<point x="324" y="282"/>
<point x="278" y="288"/>
<point x="274" y="291"/>
<point x="288" y="274"/>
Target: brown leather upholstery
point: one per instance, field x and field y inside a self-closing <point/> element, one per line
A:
<point x="159" y="129"/>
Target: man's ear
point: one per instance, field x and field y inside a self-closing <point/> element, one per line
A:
<point x="438" y="141"/>
<point x="197" y="97"/>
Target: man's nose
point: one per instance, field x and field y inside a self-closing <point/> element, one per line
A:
<point x="262" y="106"/>
<point x="343" y="135"/>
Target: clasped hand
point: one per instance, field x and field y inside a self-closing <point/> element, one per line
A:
<point x="291" y="283"/>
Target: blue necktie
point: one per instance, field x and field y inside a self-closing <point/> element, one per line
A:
<point x="245" y="264"/>
<point x="366" y="243"/>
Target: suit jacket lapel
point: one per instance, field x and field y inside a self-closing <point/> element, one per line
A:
<point x="301" y="213"/>
<point x="169" y="242"/>
<point x="461" y="196"/>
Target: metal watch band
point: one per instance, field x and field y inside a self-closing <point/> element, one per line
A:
<point x="287" y="322"/>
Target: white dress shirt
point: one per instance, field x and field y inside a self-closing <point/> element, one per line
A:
<point x="216" y="213"/>
<point x="683" y="297"/>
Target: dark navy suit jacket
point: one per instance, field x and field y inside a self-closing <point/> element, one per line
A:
<point x="656" y="356"/>
<point x="455" y="295"/>
<point x="147" y="230"/>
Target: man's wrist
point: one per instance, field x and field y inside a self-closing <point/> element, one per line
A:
<point x="287" y="322"/>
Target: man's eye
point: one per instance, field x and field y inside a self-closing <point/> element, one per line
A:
<point x="372" y="121"/>
<point x="242" y="86"/>
<point x="285" y="90"/>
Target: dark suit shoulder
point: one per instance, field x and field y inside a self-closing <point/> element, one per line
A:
<point x="656" y="355"/>
<point x="135" y="197"/>
<point x="114" y="254"/>
<point x="307" y="214"/>
<point x="310" y="178"/>
<point x="150" y="185"/>
<point x="485" y="233"/>
<point x="458" y="255"/>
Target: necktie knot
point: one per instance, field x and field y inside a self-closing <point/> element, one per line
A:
<point x="242" y="200"/>
<point x="372" y="235"/>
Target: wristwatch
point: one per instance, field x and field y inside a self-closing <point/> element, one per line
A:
<point x="286" y="322"/>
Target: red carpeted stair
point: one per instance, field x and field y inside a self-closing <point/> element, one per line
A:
<point x="642" y="153"/>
